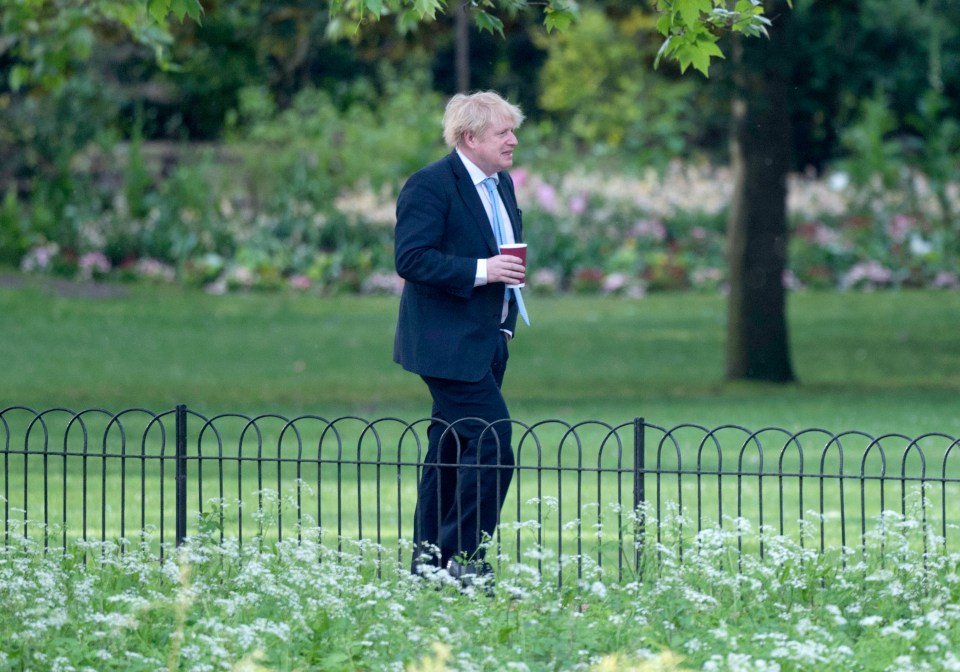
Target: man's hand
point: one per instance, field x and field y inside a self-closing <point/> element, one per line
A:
<point x="505" y="268"/>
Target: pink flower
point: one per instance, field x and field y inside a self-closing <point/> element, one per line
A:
<point x="40" y="258"/>
<point x="866" y="274"/>
<point x="791" y="281"/>
<point x="155" y="270"/>
<point x="650" y="228"/>
<point x="946" y="280"/>
<point x="383" y="283"/>
<point x="615" y="282"/>
<point x="299" y="282"/>
<point x="546" y="197"/>
<point x="93" y="264"/>
<point x="899" y="226"/>
<point x="821" y="235"/>
<point x="578" y="204"/>
<point x="545" y="279"/>
<point x="519" y="176"/>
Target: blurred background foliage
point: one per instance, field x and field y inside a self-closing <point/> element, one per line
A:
<point x="264" y="152"/>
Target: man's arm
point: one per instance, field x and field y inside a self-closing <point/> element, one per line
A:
<point x="422" y="214"/>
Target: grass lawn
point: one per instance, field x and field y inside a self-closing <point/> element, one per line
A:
<point x="878" y="362"/>
<point x="881" y="363"/>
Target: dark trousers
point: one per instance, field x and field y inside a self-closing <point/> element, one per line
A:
<point x="467" y="469"/>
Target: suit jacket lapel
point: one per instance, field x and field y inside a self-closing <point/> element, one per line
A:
<point x="510" y="202"/>
<point x="468" y="192"/>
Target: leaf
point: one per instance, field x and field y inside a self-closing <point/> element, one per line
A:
<point x="690" y="10"/>
<point x="697" y="50"/>
<point x="375" y="7"/>
<point x="334" y="661"/>
<point x="711" y="49"/>
<point x="194" y="10"/>
<point x="179" y="9"/>
<point x="557" y="19"/>
<point x="665" y="48"/>
<point x="19" y="74"/>
<point x="427" y="8"/>
<point x="158" y="9"/>
<point x="488" y="22"/>
<point x="664" y="24"/>
<point x="407" y="22"/>
<point x="701" y="55"/>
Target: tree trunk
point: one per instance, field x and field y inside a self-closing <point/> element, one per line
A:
<point x="757" y="343"/>
<point x="462" y="50"/>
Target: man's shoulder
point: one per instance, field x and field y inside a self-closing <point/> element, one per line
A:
<point x="446" y="166"/>
<point x="441" y="175"/>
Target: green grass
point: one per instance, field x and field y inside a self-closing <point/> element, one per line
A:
<point x="305" y="606"/>
<point x="880" y="362"/>
<point x="885" y="362"/>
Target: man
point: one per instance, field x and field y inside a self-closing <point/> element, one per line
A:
<point x="454" y="324"/>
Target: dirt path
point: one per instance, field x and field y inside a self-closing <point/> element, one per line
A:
<point x="64" y="287"/>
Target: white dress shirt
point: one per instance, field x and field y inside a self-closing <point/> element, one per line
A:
<point x="478" y="177"/>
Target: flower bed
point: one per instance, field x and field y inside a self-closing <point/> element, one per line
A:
<point x="305" y="605"/>
<point x="587" y="233"/>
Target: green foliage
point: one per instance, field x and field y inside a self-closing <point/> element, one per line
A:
<point x="319" y="602"/>
<point x="42" y="136"/>
<point x="937" y="155"/>
<point x="137" y="180"/>
<point x="907" y="171"/>
<point x="13" y="241"/>
<point x="325" y="143"/>
<point x="296" y="156"/>
<point x="244" y="218"/>
<point x="259" y="212"/>
<point x="597" y="81"/>
<point x="558" y="14"/>
<point x="846" y="52"/>
<point x="47" y="38"/>
<point x="180" y="9"/>
<point x="213" y="63"/>
<point x="692" y="28"/>
<point x="871" y="153"/>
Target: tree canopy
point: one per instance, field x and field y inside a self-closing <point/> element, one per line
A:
<point x="691" y="28"/>
<point x="43" y="37"/>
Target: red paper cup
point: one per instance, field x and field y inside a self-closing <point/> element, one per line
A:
<point x="516" y="250"/>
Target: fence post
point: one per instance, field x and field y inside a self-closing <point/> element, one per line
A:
<point x="181" y="474"/>
<point x="639" y="491"/>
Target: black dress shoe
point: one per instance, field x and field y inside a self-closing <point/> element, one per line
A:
<point x="470" y="574"/>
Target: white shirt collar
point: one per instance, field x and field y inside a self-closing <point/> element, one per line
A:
<point x="476" y="174"/>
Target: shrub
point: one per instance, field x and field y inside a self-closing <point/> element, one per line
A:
<point x="304" y="198"/>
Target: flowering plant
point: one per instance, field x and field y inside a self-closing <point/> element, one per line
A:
<point x="586" y="233"/>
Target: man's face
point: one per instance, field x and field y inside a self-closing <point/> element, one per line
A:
<point x="493" y="150"/>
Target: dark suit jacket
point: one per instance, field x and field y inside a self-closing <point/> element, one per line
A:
<point x="447" y="328"/>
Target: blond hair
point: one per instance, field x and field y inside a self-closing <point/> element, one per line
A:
<point x="474" y="113"/>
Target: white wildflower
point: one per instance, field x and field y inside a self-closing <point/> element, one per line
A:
<point x="599" y="590"/>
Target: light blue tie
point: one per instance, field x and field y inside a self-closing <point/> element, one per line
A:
<point x="491" y="186"/>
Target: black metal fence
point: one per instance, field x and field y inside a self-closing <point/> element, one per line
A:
<point x="593" y="491"/>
